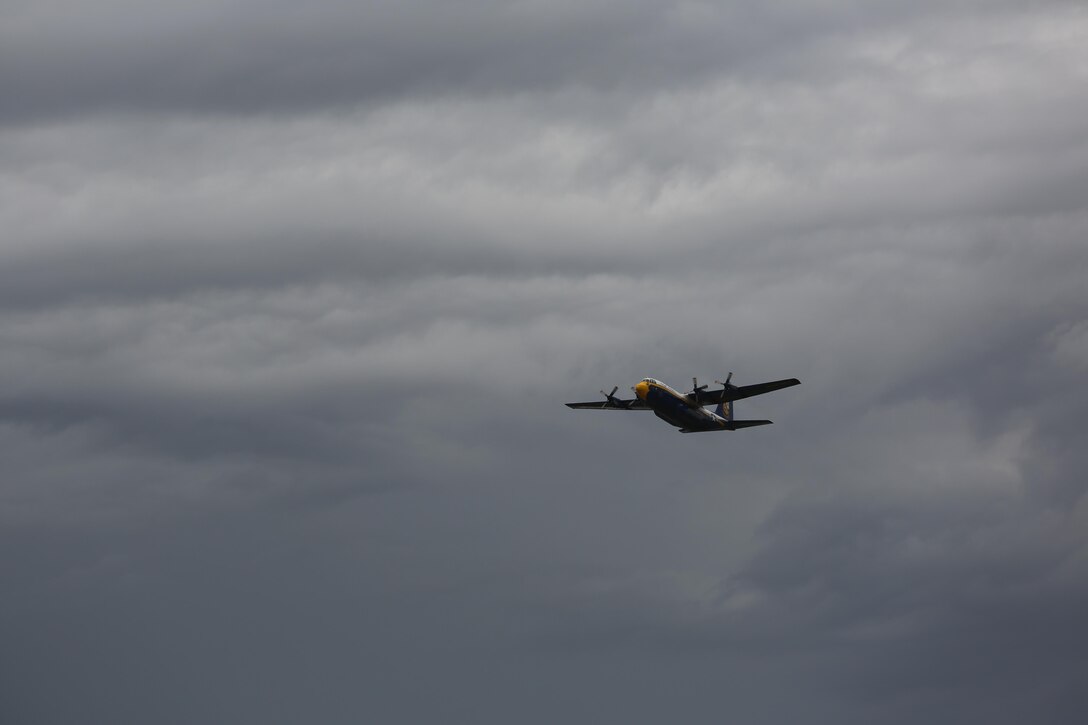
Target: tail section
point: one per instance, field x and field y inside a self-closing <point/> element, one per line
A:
<point x="725" y="410"/>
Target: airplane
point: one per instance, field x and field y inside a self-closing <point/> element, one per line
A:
<point x="687" y="411"/>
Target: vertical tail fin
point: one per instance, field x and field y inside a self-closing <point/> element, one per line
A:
<point x="725" y="410"/>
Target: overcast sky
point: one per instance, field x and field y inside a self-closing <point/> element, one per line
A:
<point x="292" y="295"/>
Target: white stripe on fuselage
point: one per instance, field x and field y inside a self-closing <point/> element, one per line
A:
<point x="707" y="415"/>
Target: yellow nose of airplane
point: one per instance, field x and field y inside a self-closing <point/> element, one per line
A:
<point x="641" y="389"/>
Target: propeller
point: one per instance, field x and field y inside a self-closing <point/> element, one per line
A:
<point x="726" y="383"/>
<point x="696" y="389"/>
<point x="612" y="397"/>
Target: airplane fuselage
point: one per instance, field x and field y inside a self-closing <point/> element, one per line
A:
<point x="688" y="411"/>
<point x="678" y="409"/>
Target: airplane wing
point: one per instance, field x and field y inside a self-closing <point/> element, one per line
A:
<point x="613" y="404"/>
<point x="735" y="392"/>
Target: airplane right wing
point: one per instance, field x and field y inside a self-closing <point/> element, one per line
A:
<point x="612" y="404"/>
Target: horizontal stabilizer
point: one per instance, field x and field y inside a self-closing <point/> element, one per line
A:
<point x="732" y="425"/>
<point x="748" y="423"/>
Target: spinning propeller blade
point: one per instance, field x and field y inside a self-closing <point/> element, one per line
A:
<point x="695" y="390"/>
<point x="612" y="398"/>
<point x="726" y="383"/>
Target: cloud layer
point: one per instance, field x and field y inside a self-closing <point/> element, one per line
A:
<point x="290" y="300"/>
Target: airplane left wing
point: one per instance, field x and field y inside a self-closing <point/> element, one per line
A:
<point x="734" y="392"/>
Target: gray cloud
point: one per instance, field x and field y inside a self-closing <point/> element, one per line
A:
<point x="63" y="59"/>
<point x="290" y="300"/>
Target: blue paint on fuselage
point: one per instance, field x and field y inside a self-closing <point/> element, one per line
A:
<point x="674" y="409"/>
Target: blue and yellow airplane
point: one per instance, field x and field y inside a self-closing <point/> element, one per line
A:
<point x="688" y="411"/>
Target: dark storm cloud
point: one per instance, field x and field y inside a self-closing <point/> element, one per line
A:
<point x="290" y="298"/>
<point x="61" y="59"/>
